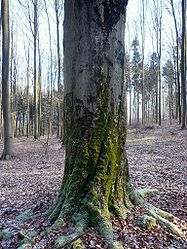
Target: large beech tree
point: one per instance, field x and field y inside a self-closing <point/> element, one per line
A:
<point x="96" y="179"/>
<point x="96" y="171"/>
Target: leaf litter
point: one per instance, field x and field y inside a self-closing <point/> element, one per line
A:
<point x="157" y="158"/>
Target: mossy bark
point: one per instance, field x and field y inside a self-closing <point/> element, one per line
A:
<point x="96" y="177"/>
<point x="96" y="168"/>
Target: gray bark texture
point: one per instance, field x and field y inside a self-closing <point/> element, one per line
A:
<point x="8" y="148"/>
<point x="183" y="65"/>
<point x="96" y="168"/>
<point x="36" y="95"/>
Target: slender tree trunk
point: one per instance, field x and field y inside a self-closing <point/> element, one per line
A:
<point x="39" y="90"/>
<point x="8" y="140"/>
<point x="159" y="71"/>
<point x="57" y="12"/>
<point x="177" y="62"/>
<point x="50" y="116"/>
<point x="183" y="65"/>
<point x="138" y="107"/>
<point x="96" y="169"/>
<point x="59" y="83"/>
<point x="1" y="120"/>
<point x="142" y="62"/>
<point x="130" y="107"/>
<point x="36" y="97"/>
<point x="28" y="102"/>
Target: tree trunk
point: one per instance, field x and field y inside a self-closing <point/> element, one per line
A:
<point x="36" y="97"/>
<point x="96" y="168"/>
<point x="57" y="13"/>
<point x="178" y="70"/>
<point x="8" y="150"/>
<point x="59" y="83"/>
<point x="159" y="71"/>
<point x="183" y="65"/>
<point x="50" y="82"/>
<point x="28" y="102"/>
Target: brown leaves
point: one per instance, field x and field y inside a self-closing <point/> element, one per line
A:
<point x="158" y="159"/>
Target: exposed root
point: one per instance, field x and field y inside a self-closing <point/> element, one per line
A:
<point x="137" y="196"/>
<point x="56" y="226"/>
<point x="63" y="241"/>
<point x="147" y="191"/>
<point x="27" y="214"/>
<point x="6" y="234"/>
<point x="119" y="211"/>
<point x="91" y="215"/>
<point x="5" y="157"/>
<point x="54" y="211"/>
<point x="100" y="219"/>
<point x="77" y="245"/>
<point x="146" y="222"/>
<point x="169" y="225"/>
<point x="140" y="201"/>
<point x="25" y="239"/>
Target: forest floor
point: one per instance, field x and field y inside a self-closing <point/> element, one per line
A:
<point x="157" y="158"/>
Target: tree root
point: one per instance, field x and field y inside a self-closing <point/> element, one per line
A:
<point x="29" y="213"/>
<point x="119" y="211"/>
<point x="90" y="215"/>
<point x="100" y="220"/>
<point x="80" y="228"/>
<point x="64" y="241"/>
<point x="137" y="197"/>
<point x="5" y="157"/>
<point x="139" y="200"/>
<point x="147" y="191"/>
<point x="169" y="225"/>
<point x="146" y="222"/>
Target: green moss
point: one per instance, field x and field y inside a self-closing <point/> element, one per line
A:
<point x="147" y="191"/>
<point x="128" y="202"/>
<point x="119" y="211"/>
<point x="56" y="226"/>
<point x="76" y="245"/>
<point x="169" y="225"/>
<point x="27" y="214"/>
<point x="6" y="234"/>
<point x="25" y="246"/>
<point x="28" y="240"/>
<point x="95" y="171"/>
<point x="56" y="211"/>
<point x="63" y="241"/>
<point x="146" y="222"/>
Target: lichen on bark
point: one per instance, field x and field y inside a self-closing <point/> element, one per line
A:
<point x="96" y="168"/>
<point x="96" y="176"/>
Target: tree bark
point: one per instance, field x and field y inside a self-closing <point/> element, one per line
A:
<point x="96" y="168"/>
<point x="183" y="65"/>
<point x="57" y="14"/>
<point x="8" y="147"/>
<point x="36" y="96"/>
<point x="177" y="62"/>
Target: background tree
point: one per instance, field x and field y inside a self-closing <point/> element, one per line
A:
<point x="177" y="61"/>
<point x="183" y="64"/>
<point x="36" y="86"/>
<point x="7" y="136"/>
<point x="168" y="73"/>
<point x="136" y="78"/>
